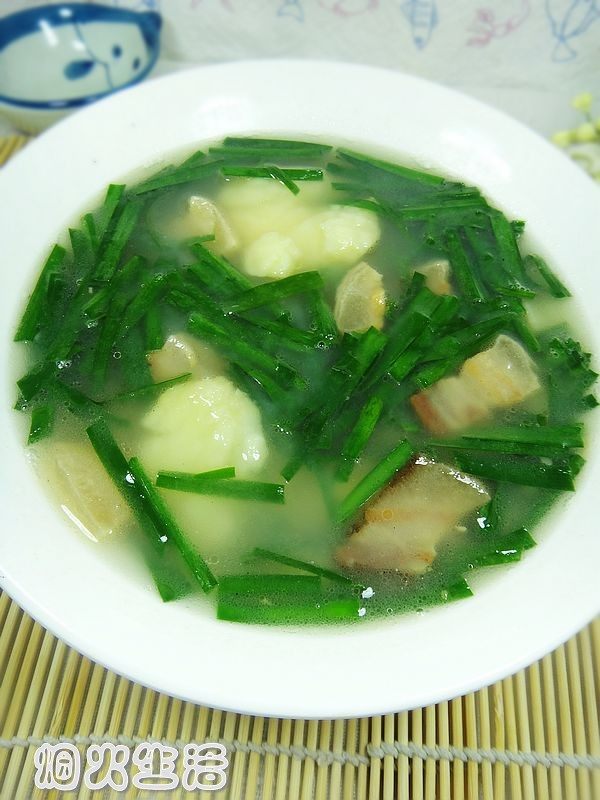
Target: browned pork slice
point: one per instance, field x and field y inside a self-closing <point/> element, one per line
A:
<point x="404" y="524"/>
<point x="502" y="376"/>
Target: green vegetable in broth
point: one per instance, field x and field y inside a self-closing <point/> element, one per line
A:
<point x="322" y="387"/>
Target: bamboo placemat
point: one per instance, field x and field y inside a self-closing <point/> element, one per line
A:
<point x="532" y="736"/>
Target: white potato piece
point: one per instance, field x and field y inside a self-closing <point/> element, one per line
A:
<point x="183" y="353"/>
<point x="201" y="425"/>
<point x="272" y="255"/>
<point x="338" y="236"/>
<point x="255" y="206"/>
<point x="502" y="376"/>
<point x="360" y="300"/>
<point x="437" y="275"/>
<point x="85" y="492"/>
<point x="405" y="523"/>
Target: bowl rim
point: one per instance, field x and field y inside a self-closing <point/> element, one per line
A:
<point x="282" y="674"/>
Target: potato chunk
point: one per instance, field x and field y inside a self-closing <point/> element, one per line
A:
<point x="338" y="236"/>
<point x="272" y="255"/>
<point x="405" y="523"/>
<point x="360" y="300"/>
<point x="499" y="377"/>
<point x="203" y="424"/>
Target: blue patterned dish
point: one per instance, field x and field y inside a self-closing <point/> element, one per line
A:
<point x="56" y="58"/>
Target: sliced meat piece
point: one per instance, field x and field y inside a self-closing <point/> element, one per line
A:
<point x="402" y="527"/>
<point x="500" y="377"/>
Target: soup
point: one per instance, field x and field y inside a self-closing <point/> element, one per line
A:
<point x="313" y="384"/>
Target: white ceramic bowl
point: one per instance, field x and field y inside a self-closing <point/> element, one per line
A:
<point x="517" y="614"/>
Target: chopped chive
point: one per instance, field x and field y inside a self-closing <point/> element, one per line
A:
<point x="34" y="381"/>
<point x="195" y="159"/>
<point x="169" y="576"/>
<point x="556" y="288"/>
<point x="269" y="555"/>
<point x="217" y="269"/>
<point x="321" y="316"/>
<point x="462" y="269"/>
<point x="376" y="480"/>
<point x="144" y="300"/>
<point x="274" y="291"/>
<point x="359" y="436"/>
<point x="404" y="333"/>
<point x="252" y="143"/>
<point x="239" y="351"/>
<point x="83" y="251"/>
<point x="506" y="548"/>
<point x="154" y="333"/>
<point x="89" y="224"/>
<point x="237" y="489"/>
<point x="176" y="177"/>
<point x="107" y="213"/>
<point x="109" y="259"/>
<point x="562" y="436"/>
<point x="281" y="599"/>
<point x="394" y="169"/>
<point x="285" y="176"/>
<point x="165" y="524"/>
<point x="517" y="469"/>
<point x="150" y="388"/>
<point x="507" y="244"/>
<point x="42" y="421"/>
<point x="32" y="317"/>
<point x="458" y="590"/>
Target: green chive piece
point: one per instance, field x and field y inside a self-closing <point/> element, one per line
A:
<point x="252" y="143"/>
<point x="282" y="599"/>
<point x="106" y="215"/>
<point x="34" y="311"/>
<point x="359" y="436"/>
<point x="394" y="169"/>
<point x="284" y="176"/>
<point x="235" y="489"/>
<point x="109" y="260"/>
<point x="42" y="421"/>
<point x="154" y="333"/>
<point x="150" y="388"/>
<point x="506" y="548"/>
<point x="376" y="480"/>
<point x="462" y="269"/>
<point x="517" y="469"/>
<point x="274" y="291"/>
<point x="169" y="574"/>
<point x="556" y="288"/>
<point x="278" y="558"/>
<point x="164" y="522"/>
<point x="179" y="176"/>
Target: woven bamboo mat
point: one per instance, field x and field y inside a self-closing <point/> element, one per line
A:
<point x="533" y="736"/>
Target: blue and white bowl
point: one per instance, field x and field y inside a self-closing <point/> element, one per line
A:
<point x="56" y="58"/>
